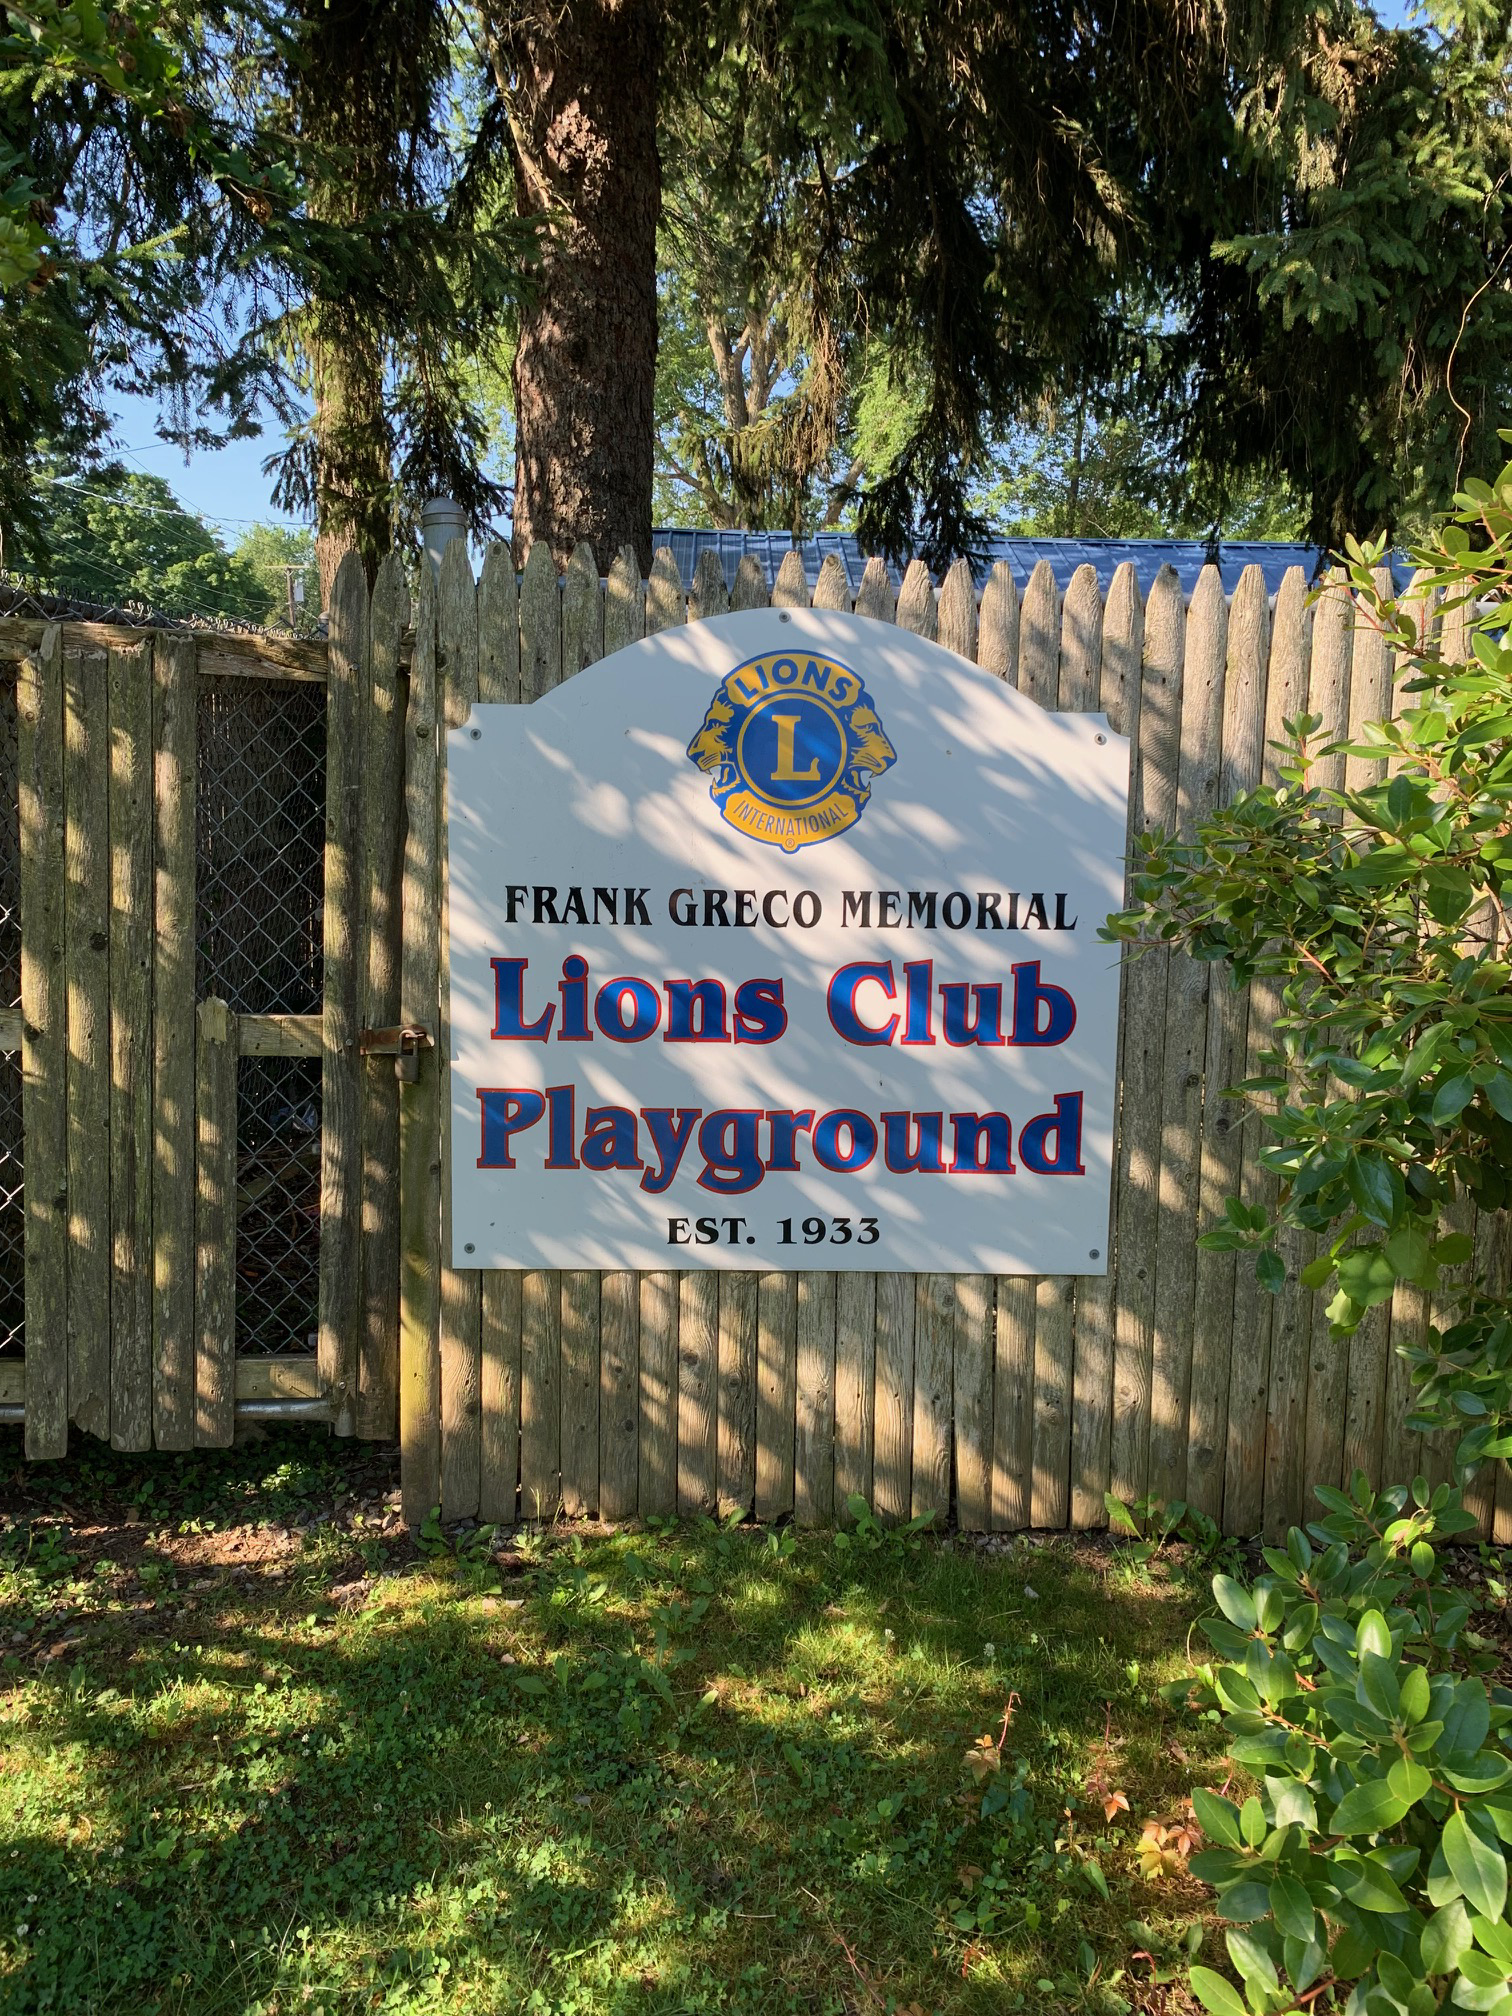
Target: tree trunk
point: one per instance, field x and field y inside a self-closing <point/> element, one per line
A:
<point x="581" y="85"/>
<point x="353" y="459"/>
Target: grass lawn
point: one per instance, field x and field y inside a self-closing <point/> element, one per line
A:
<point x="260" y="1752"/>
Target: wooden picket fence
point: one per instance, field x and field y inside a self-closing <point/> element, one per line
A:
<point x="1008" y="1402"/>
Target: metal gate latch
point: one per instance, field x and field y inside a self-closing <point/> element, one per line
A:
<point x="402" y="1044"/>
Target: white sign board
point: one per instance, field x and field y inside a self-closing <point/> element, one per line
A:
<point x="774" y="944"/>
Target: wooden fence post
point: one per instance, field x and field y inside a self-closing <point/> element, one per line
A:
<point x="175" y="687"/>
<point x="1093" y="1393"/>
<point x="1273" y="1495"/>
<point x="379" y="953"/>
<point x="1186" y="1016"/>
<point x="86" y="961"/>
<point x="131" y="1084"/>
<point x="419" y="1103"/>
<point x="1136" y="1208"/>
<point x="215" y="1226"/>
<point x="44" y="1042"/>
<point x="341" y="1084"/>
<point x="1220" y="1157"/>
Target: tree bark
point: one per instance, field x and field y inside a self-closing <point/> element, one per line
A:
<point x="581" y="85"/>
<point x="353" y="459"/>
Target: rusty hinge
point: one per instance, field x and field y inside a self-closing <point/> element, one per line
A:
<point x="403" y="1044"/>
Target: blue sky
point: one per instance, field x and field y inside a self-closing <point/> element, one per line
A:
<point x="223" y="484"/>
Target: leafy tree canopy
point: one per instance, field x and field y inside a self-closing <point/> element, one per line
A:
<point x="116" y="535"/>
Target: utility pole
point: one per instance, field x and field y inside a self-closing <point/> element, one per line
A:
<point x="294" y="589"/>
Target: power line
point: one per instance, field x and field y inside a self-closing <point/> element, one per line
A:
<point x="168" y="510"/>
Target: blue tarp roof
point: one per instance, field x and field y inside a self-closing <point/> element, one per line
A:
<point x="1148" y="556"/>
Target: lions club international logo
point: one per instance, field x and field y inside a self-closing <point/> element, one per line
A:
<point x="791" y="743"/>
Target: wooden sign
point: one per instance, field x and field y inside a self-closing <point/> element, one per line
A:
<point x="774" y="944"/>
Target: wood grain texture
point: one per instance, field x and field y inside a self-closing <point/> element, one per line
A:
<point x="1093" y="1390"/>
<point x="1015" y="1295"/>
<point x="1078" y="682"/>
<point x="1188" y="984"/>
<point x="998" y="625"/>
<point x="619" y="1395"/>
<point x="657" y="1487"/>
<point x="1227" y="1032"/>
<point x="498" y="627"/>
<point x="131" y="829"/>
<point x="738" y="1302"/>
<point x="1328" y="1355"/>
<point x="832" y="590"/>
<point x="379" y="950"/>
<point x="814" y="1433"/>
<point x="341" y="1070"/>
<point x="540" y="1394"/>
<point x="419" y="1103"/>
<point x="1136" y="1209"/>
<point x="875" y="598"/>
<point x="790" y="590"/>
<point x="1370" y="700"/>
<point x="1254" y="1308"/>
<point x="624" y="602"/>
<point x="1274" y="1499"/>
<point x="916" y="602"/>
<point x="540" y="625"/>
<point x="224" y="654"/>
<point x="581" y="1317"/>
<point x="44" y="1046"/>
<point x="666" y="605"/>
<point x="776" y="1392"/>
<point x="855" y="1386"/>
<point x="499" y="1349"/>
<point x="697" y="1392"/>
<point x="582" y="612"/>
<point x="957" y="613"/>
<point x="174" y="724"/>
<point x="892" y="1415"/>
<point x="933" y="1394"/>
<point x="707" y="596"/>
<point x="86" y="962"/>
<point x="215" y="1227"/>
<point x="749" y="589"/>
<point x="972" y="1403"/>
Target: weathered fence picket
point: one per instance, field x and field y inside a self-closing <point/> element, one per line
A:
<point x="174" y="695"/>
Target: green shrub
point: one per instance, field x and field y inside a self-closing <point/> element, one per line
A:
<point x="1379" y="917"/>
<point x="1368" y="1871"/>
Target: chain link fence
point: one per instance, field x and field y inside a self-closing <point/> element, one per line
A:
<point x="260" y="840"/>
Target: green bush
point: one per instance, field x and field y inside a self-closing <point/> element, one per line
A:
<point x="1369" y="1870"/>
<point x="1379" y="918"/>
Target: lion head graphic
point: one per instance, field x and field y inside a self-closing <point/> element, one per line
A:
<point x="870" y="751"/>
<point x="710" y="747"/>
